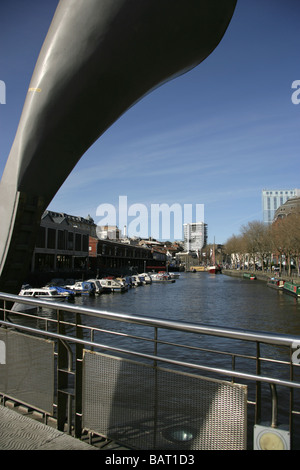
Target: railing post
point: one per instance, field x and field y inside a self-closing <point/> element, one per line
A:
<point x="155" y="390"/>
<point x="274" y="406"/>
<point x="78" y="380"/>
<point x="291" y="403"/>
<point x="258" y="386"/>
<point x="62" y="377"/>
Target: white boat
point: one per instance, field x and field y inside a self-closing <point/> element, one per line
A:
<point x="112" y="285"/>
<point x="82" y="288"/>
<point x="97" y="286"/>
<point x="135" y="280"/>
<point x="124" y="282"/>
<point x="174" y="275"/>
<point x="44" y="293"/>
<point x="162" y="277"/>
<point x="145" y="277"/>
<point x="142" y="279"/>
<point x="64" y="292"/>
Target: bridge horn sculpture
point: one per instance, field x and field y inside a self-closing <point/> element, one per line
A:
<point x="98" y="59"/>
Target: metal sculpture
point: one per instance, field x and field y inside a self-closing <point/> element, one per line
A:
<point x="98" y="59"/>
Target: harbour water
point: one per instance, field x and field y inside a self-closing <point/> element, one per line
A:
<point x="217" y="300"/>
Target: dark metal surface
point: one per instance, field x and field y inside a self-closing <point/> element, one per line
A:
<point x="98" y="59"/>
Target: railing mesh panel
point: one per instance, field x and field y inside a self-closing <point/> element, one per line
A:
<point x="28" y="373"/>
<point x="147" y="408"/>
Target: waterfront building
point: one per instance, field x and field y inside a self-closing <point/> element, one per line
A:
<point x="272" y="199"/>
<point x="110" y="232"/>
<point x="185" y="260"/>
<point x="290" y="206"/>
<point x="69" y="247"/>
<point x="163" y="253"/>
<point x="116" y="258"/>
<point x="62" y="243"/>
<point x="195" y="236"/>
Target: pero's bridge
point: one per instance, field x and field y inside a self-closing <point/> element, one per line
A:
<point x="98" y="59"/>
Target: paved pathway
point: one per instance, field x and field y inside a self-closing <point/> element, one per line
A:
<point x="18" y="432"/>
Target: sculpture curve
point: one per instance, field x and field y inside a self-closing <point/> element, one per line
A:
<point x="98" y="59"/>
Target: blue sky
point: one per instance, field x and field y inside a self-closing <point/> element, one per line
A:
<point x="216" y="136"/>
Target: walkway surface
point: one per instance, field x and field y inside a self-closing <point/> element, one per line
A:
<point x="18" y="432"/>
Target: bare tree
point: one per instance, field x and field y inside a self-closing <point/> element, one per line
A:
<point x="258" y="240"/>
<point x="236" y="248"/>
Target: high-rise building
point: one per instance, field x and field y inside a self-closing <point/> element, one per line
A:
<point x="272" y="199"/>
<point x="195" y="236"/>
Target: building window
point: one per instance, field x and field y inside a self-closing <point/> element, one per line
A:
<point x="44" y="262"/>
<point x="51" y="238"/>
<point x="41" y="238"/>
<point x="85" y="243"/>
<point x="60" y="240"/>
<point x="77" y="242"/>
<point x="63" y="262"/>
<point x="70" y="241"/>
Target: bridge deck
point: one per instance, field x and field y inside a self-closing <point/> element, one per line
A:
<point x="19" y="432"/>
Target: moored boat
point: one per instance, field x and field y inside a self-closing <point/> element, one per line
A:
<point x="112" y="285"/>
<point x="82" y="288"/>
<point x="250" y="276"/>
<point x="215" y="269"/>
<point x="275" y="283"/>
<point x="196" y="269"/>
<point x="162" y="277"/>
<point x="146" y="278"/>
<point x="135" y="281"/>
<point x="67" y="293"/>
<point x="124" y="281"/>
<point x="142" y="279"/>
<point x="174" y="275"/>
<point x="291" y="288"/>
<point x="44" y="293"/>
<point x="97" y="286"/>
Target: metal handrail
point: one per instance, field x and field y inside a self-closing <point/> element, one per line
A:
<point x="231" y="373"/>
<point x="232" y="333"/>
<point x="247" y="335"/>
